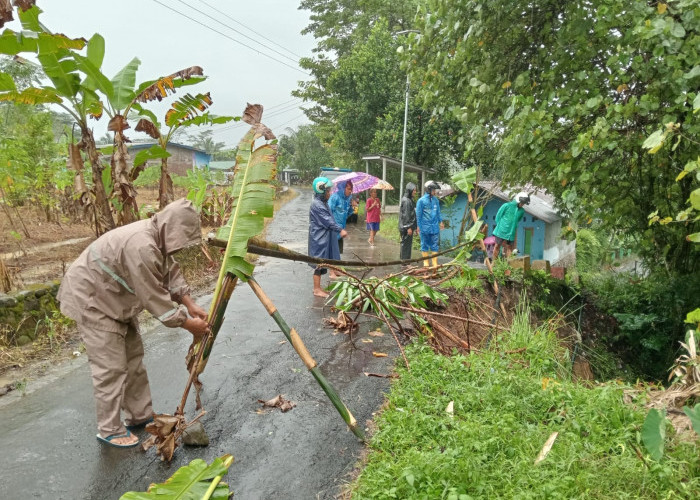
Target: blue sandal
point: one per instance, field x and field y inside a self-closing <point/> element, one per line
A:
<point x="108" y="440"/>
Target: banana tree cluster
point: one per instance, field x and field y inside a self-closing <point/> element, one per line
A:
<point x="79" y="86"/>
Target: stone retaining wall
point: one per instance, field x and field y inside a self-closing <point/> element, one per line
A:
<point x="23" y="314"/>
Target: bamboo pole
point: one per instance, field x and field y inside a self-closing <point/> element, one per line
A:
<point x="309" y="362"/>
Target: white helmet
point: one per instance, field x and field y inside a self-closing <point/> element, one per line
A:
<point x="430" y="185"/>
<point x="522" y="197"/>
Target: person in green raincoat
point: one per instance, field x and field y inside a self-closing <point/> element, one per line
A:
<point x="507" y="220"/>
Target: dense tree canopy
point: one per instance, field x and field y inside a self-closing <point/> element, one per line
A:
<point x="567" y="92"/>
<point x="359" y="86"/>
<point x="302" y="150"/>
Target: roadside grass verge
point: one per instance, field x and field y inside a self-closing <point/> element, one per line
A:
<point x="389" y="229"/>
<point x="508" y="400"/>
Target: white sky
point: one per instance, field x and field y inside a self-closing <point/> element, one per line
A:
<point x="166" y="42"/>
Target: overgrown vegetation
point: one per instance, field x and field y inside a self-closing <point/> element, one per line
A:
<point x="472" y="427"/>
<point x="650" y="314"/>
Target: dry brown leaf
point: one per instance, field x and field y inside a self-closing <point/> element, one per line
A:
<point x="164" y="86"/>
<point x="5" y="12"/>
<point x="379" y="354"/>
<point x="117" y="124"/>
<point x="367" y="341"/>
<point x="376" y="334"/>
<point x="147" y="126"/>
<point x="278" y="402"/>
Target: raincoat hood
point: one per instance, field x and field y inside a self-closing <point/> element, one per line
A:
<point x="341" y="190"/>
<point x="410" y="187"/>
<point x="177" y="226"/>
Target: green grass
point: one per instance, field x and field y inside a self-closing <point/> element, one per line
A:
<point x="389" y="230"/>
<point x="505" y="408"/>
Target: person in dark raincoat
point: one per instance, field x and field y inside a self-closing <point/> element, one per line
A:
<point x="407" y="221"/>
<point x="340" y="205"/>
<point x="323" y="231"/>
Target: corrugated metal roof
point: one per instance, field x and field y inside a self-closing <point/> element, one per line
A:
<point x="541" y="203"/>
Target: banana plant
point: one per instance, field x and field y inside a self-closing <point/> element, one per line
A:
<point x="184" y="112"/>
<point x="121" y="96"/>
<point x="70" y="89"/>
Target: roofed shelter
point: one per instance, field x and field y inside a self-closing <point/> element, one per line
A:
<point x="394" y="162"/>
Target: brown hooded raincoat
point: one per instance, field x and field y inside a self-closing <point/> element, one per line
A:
<point x="123" y="272"/>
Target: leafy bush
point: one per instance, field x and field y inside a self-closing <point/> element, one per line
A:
<point x="589" y="251"/>
<point x="650" y="313"/>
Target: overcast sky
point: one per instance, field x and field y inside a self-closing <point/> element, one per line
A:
<point x="258" y="66"/>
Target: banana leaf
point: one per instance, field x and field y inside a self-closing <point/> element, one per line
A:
<point x="196" y="481"/>
<point x="253" y="200"/>
<point x="253" y="196"/>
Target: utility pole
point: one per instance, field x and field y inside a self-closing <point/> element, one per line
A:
<point x="405" y="122"/>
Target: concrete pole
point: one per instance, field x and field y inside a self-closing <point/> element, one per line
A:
<point x="403" y="147"/>
<point x="384" y="179"/>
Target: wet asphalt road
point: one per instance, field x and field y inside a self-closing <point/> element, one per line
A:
<point x="47" y="437"/>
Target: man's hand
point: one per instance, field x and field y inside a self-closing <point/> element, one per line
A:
<point x="418" y="231"/>
<point x="410" y="231"/>
<point x="197" y="327"/>
<point x="343" y="233"/>
<point x="442" y="225"/>
<point x="193" y="309"/>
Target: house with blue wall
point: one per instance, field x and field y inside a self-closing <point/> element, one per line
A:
<point x="539" y="231"/>
<point x="183" y="157"/>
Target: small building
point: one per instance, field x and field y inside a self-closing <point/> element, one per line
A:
<point x="539" y="231"/>
<point x="183" y="157"/>
<point x="289" y="176"/>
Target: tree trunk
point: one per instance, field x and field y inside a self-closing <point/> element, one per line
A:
<point x="103" y="212"/>
<point x="165" y="190"/>
<point x="123" y="186"/>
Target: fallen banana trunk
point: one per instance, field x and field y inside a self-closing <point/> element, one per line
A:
<point x="260" y="246"/>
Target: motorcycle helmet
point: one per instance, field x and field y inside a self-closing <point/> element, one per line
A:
<point x="320" y="184"/>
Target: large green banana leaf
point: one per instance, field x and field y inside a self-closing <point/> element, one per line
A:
<point x="253" y="196"/>
<point x="196" y="481"/>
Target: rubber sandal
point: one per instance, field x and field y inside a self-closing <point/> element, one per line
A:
<point x="140" y="425"/>
<point x="108" y="440"/>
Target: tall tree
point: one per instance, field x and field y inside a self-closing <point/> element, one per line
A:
<point x="338" y="25"/>
<point x="567" y="95"/>
<point x="303" y="150"/>
<point x="204" y="140"/>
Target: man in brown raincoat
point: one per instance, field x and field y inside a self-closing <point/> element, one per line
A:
<point x="123" y="272"/>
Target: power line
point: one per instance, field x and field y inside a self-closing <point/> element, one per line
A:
<point x="242" y="125"/>
<point x="249" y="29"/>
<point x="269" y="113"/>
<point x="230" y="38"/>
<point x="236" y="31"/>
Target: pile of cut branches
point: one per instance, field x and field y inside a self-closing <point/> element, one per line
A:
<point x="413" y="295"/>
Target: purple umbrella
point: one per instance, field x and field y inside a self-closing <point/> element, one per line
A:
<point x="361" y="181"/>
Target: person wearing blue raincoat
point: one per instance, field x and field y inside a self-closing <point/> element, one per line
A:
<point x="340" y="206"/>
<point x="323" y="231"/>
<point x="429" y="222"/>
